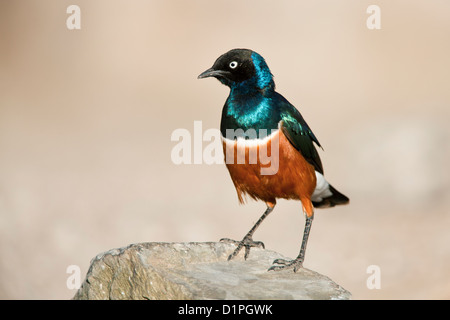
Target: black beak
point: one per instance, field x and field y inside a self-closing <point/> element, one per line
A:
<point x="212" y="73"/>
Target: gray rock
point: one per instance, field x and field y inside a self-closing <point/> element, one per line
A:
<point x="199" y="271"/>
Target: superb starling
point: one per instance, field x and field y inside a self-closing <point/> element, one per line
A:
<point x="256" y="118"/>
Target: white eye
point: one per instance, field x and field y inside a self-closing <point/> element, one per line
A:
<point x="233" y="64"/>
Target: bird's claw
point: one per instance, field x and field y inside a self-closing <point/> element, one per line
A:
<point x="247" y="243"/>
<point x="295" y="264"/>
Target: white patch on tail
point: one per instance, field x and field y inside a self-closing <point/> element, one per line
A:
<point x="322" y="189"/>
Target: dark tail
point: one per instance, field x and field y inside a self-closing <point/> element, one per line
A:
<point x="335" y="199"/>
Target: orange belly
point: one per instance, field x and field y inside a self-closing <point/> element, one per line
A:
<point x="294" y="179"/>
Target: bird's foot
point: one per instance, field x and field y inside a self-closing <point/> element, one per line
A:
<point x="246" y="243"/>
<point x="295" y="264"/>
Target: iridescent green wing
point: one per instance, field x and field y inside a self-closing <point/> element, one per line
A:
<point x="300" y="135"/>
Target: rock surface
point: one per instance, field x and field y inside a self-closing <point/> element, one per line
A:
<point x="199" y="271"/>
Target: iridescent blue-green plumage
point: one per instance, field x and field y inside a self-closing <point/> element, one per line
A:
<point x="254" y="104"/>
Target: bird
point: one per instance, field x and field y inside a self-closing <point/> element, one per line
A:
<point x="256" y="117"/>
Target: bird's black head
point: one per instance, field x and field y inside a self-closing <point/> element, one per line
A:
<point x="240" y="67"/>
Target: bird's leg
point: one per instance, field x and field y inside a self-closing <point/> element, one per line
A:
<point x="297" y="263"/>
<point x="248" y="242"/>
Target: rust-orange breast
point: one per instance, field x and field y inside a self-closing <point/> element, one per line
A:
<point x="294" y="177"/>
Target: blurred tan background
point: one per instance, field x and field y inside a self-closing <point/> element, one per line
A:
<point x="86" y="118"/>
